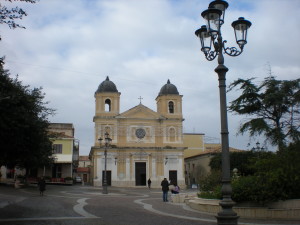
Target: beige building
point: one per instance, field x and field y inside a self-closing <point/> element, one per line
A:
<point x="83" y="169"/>
<point x="194" y="143"/>
<point x="145" y="143"/>
<point x="198" y="155"/>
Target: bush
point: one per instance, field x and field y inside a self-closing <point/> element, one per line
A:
<point x="210" y="185"/>
<point x="210" y="182"/>
<point x="277" y="177"/>
<point x="47" y="177"/>
<point x="214" y="194"/>
<point x="267" y="176"/>
<point x="246" y="189"/>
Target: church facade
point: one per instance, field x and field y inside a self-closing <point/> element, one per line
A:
<point x="144" y="143"/>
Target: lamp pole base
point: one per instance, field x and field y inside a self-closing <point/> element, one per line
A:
<point x="227" y="216"/>
<point x="104" y="189"/>
<point x="227" y="219"/>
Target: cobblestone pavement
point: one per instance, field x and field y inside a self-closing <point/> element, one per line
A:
<point x="75" y="204"/>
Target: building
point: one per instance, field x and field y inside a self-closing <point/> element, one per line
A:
<point x="65" y="155"/>
<point x="197" y="160"/>
<point x="65" y="151"/>
<point x="83" y="169"/>
<point x="145" y="143"/>
<point x="194" y="142"/>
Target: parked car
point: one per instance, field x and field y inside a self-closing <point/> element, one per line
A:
<point x="78" y="179"/>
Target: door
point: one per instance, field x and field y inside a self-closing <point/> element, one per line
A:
<point x="56" y="170"/>
<point x="173" y="176"/>
<point x="85" y="177"/>
<point x="108" y="177"/>
<point x="140" y="174"/>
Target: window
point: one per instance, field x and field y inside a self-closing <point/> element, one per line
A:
<point x="57" y="148"/>
<point x="107" y="105"/>
<point x="171" y="107"/>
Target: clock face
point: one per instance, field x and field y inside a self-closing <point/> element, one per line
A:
<point x="140" y="133"/>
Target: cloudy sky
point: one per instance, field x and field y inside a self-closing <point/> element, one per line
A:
<point x="70" y="46"/>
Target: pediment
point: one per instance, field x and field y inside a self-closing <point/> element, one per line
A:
<point x="140" y="112"/>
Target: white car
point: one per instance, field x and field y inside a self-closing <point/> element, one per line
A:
<point x="78" y="179"/>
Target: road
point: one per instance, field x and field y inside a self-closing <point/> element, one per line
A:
<point x="77" y="205"/>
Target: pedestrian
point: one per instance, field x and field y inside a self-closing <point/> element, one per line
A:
<point x="149" y="183"/>
<point x="42" y="186"/>
<point x="165" y="189"/>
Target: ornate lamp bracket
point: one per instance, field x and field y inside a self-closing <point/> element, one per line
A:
<point x="211" y="55"/>
<point x="232" y="51"/>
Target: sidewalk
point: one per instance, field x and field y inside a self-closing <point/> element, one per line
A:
<point x="181" y="210"/>
<point x="150" y="200"/>
<point x="7" y="181"/>
<point x="9" y="199"/>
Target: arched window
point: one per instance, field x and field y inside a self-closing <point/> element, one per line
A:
<point x="172" y="134"/>
<point x="107" y="105"/>
<point x="171" y="107"/>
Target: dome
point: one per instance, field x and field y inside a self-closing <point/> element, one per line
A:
<point x="107" y="86"/>
<point x="168" y="89"/>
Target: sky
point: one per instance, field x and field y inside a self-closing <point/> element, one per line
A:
<point x="70" y="46"/>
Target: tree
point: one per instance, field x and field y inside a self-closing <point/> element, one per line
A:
<point x="9" y="15"/>
<point x="272" y="108"/>
<point x="24" y="139"/>
<point x="243" y="161"/>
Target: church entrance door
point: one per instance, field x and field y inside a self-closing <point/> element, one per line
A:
<point x="173" y="176"/>
<point x="140" y="174"/>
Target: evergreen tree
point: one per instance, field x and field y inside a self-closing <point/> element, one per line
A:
<point x="9" y="15"/>
<point x="272" y="108"/>
<point x="24" y="139"/>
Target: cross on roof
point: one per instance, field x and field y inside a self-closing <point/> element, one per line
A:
<point x="140" y="98"/>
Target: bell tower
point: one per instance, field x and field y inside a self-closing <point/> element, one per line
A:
<point x="107" y="106"/>
<point x="169" y="102"/>
<point x="169" y="105"/>
<point x="107" y="99"/>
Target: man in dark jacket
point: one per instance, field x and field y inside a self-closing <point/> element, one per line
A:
<point x="42" y="186"/>
<point x="165" y="189"/>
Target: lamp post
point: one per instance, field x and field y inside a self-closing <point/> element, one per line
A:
<point x="106" y="145"/>
<point x="258" y="148"/>
<point x="210" y="35"/>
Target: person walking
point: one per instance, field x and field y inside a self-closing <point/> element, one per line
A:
<point x="42" y="186"/>
<point x="149" y="183"/>
<point x="165" y="189"/>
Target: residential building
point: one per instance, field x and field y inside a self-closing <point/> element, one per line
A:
<point x="83" y="169"/>
<point x="65" y="151"/>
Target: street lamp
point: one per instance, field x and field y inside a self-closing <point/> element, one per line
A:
<point x="258" y="148"/>
<point x="106" y="145"/>
<point x="210" y="35"/>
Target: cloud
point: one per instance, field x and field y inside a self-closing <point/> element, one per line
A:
<point x="69" y="48"/>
